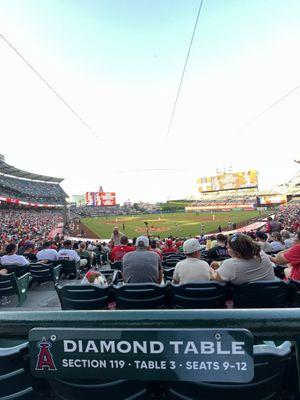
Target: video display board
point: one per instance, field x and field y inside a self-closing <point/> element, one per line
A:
<point x="100" y="199"/>
<point x="228" y="181"/>
<point x="271" y="199"/>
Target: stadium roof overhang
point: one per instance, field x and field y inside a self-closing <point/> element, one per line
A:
<point x="9" y="170"/>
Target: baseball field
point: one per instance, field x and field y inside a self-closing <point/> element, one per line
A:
<point x="163" y="225"/>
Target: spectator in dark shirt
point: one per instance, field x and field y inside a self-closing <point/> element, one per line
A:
<point x="29" y="252"/>
<point x="219" y="252"/>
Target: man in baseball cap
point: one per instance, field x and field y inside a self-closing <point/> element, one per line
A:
<point x="142" y="265"/>
<point x="142" y="241"/>
<point x="192" y="269"/>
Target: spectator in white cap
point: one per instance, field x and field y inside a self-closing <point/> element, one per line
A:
<point x="142" y="265"/>
<point x="192" y="269"/>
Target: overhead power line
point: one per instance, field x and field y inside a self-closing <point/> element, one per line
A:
<point x="271" y="106"/>
<point x="49" y="86"/>
<point x="184" y="68"/>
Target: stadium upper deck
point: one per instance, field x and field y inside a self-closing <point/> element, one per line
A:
<point x="22" y="187"/>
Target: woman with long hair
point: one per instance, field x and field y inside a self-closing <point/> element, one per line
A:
<point x="247" y="263"/>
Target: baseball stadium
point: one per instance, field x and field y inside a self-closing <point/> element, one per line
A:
<point x="153" y="251"/>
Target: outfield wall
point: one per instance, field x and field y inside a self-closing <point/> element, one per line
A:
<point x="221" y="207"/>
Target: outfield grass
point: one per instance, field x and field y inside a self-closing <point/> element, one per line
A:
<point x="177" y="224"/>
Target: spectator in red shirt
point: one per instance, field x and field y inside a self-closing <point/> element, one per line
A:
<point x="292" y="257"/>
<point x="169" y="248"/>
<point x="118" y="252"/>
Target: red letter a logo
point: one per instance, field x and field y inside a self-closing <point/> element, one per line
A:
<point x="45" y="359"/>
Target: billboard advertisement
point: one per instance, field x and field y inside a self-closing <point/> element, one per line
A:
<point x="228" y="181"/>
<point x="108" y="198"/>
<point x="89" y="198"/>
<point x="271" y="199"/>
<point x="102" y="199"/>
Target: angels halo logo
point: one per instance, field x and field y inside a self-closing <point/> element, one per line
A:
<point x="45" y="358"/>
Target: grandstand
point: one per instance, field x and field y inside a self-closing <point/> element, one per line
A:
<point x="293" y="188"/>
<point x="234" y="195"/>
<point x="29" y="189"/>
<point x="227" y="191"/>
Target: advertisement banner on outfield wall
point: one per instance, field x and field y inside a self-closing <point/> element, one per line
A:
<point x="227" y="207"/>
<point x="228" y="181"/>
<point x="25" y="203"/>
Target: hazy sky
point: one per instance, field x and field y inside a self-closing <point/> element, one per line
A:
<point x="118" y="63"/>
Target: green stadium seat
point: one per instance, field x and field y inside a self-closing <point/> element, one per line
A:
<point x="117" y="265"/>
<point x="131" y="296"/>
<point x="198" y="295"/>
<point x="270" y="363"/>
<point x="16" y="382"/>
<point x="98" y="390"/>
<point x="41" y="273"/>
<point x="69" y="268"/>
<point x="168" y="274"/>
<point x="11" y="285"/>
<point x="113" y="276"/>
<point x="261" y="294"/>
<point x="84" y="297"/>
<point x="17" y="269"/>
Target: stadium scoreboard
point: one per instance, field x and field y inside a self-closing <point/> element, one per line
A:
<point x="270" y="200"/>
<point x="228" y="181"/>
<point x="100" y="199"/>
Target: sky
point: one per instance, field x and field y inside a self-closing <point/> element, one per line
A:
<point x="118" y="64"/>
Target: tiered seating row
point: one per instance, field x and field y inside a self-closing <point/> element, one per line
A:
<point x="205" y="295"/>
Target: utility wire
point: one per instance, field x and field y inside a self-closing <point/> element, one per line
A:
<point x="184" y="68"/>
<point x="271" y="106"/>
<point x="49" y="86"/>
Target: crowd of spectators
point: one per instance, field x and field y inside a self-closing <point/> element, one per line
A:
<point x="238" y="258"/>
<point x="31" y="191"/>
<point x="98" y="211"/>
<point x="25" y="225"/>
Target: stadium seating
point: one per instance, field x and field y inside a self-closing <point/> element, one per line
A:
<point x="118" y="389"/>
<point x="199" y="295"/>
<point x="16" y="382"/>
<point x="32" y="191"/>
<point x="84" y="297"/>
<point x="294" y="287"/>
<point x="263" y="294"/>
<point x="270" y="365"/>
<point x="131" y="296"/>
<point x="170" y="260"/>
<point x="168" y="274"/>
<point x="11" y="285"/>
<point x="112" y="276"/>
<point x="18" y="270"/>
<point x="41" y="273"/>
<point x="70" y="269"/>
<point x="117" y="265"/>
